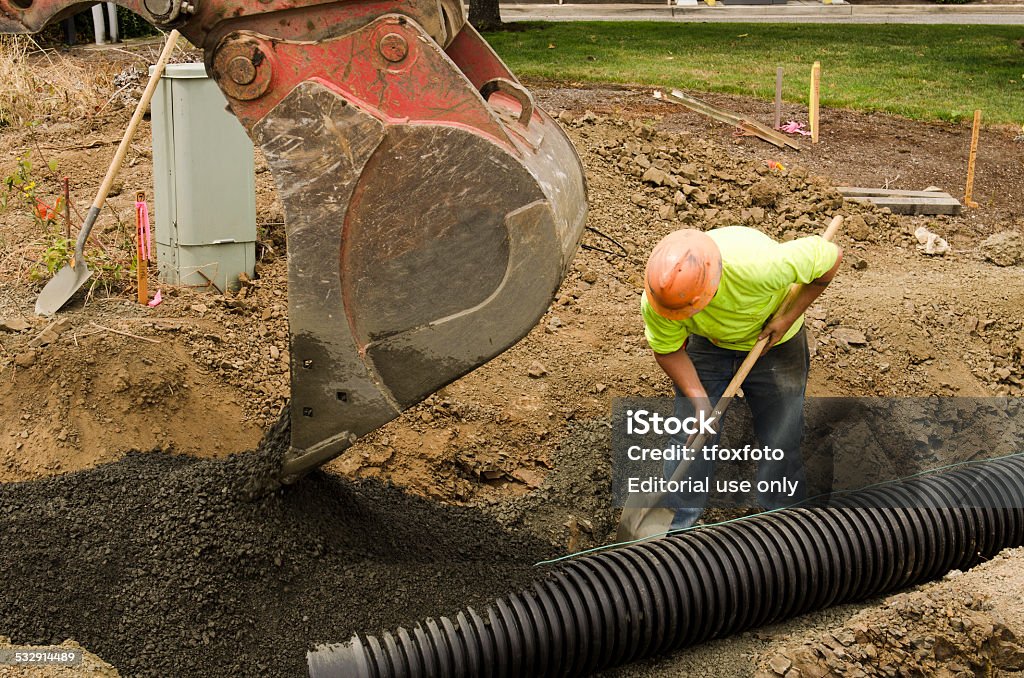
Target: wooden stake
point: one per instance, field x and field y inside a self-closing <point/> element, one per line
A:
<point x="142" y="264"/>
<point x="813" y="112"/>
<point x="778" y="97"/>
<point x="67" y="208"/>
<point x="969" y="190"/>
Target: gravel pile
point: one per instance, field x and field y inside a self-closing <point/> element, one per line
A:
<point x="166" y="565"/>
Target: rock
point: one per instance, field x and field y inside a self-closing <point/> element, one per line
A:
<point x="752" y="215"/>
<point x="275" y="352"/>
<point x="763" y="194"/>
<point x="14" y="325"/>
<point x="659" y="177"/>
<point x="931" y="243"/>
<point x="199" y="308"/>
<point x="780" y="664"/>
<point x="857" y="263"/>
<point x="537" y="370"/>
<point x="531" y="477"/>
<point x="51" y="333"/>
<point x="1005" y="248"/>
<point x="638" y="199"/>
<point x="857" y="228"/>
<point x="688" y="171"/>
<point x="678" y="199"/>
<point x="26" y="359"/>
<point x="667" y="212"/>
<point x="849" y="336"/>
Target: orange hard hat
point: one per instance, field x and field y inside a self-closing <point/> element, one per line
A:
<point x="682" y="274"/>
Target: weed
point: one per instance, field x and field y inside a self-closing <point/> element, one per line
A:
<point x="23" y="187"/>
<point x="37" y="84"/>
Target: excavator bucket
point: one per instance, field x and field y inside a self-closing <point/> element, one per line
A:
<point x="431" y="208"/>
<point x="422" y="242"/>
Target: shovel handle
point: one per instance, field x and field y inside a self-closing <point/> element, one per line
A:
<point x="122" y="149"/>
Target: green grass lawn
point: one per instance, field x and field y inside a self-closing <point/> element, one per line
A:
<point x="923" y="72"/>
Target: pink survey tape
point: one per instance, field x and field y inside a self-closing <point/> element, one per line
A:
<point x="145" y="234"/>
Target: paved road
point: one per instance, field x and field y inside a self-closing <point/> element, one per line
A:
<point x="802" y="12"/>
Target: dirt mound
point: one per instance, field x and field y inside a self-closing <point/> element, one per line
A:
<point x="163" y="565"/>
<point x="955" y="627"/>
<point x="84" y="395"/>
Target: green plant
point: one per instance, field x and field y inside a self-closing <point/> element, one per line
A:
<point x="21" y="185"/>
<point x="54" y="257"/>
<point x="132" y="25"/>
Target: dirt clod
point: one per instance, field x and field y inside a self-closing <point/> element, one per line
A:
<point x="763" y="194"/>
<point x="857" y="228"/>
<point x="1005" y="248"/>
<point x="14" y="325"/>
<point x="26" y="359"/>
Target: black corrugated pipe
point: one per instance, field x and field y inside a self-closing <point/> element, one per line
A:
<point x="648" y="598"/>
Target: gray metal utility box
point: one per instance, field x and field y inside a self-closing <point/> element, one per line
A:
<point x="204" y="183"/>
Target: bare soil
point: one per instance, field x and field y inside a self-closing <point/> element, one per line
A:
<point x="525" y="454"/>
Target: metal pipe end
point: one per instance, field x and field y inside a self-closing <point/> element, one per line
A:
<point x="339" y="660"/>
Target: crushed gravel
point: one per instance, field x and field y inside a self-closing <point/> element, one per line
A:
<point x="168" y="565"/>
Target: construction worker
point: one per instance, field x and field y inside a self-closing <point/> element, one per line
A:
<point x="708" y="298"/>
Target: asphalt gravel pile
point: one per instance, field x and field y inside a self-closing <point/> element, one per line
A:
<point x="168" y="565"/>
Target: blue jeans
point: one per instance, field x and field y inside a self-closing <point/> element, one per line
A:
<point x="775" y="390"/>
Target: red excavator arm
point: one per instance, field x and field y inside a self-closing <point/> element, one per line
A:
<point x="431" y="208"/>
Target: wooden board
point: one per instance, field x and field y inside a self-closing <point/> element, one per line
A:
<point x="856" y="191"/>
<point x="752" y="126"/>
<point x="902" y="204"/>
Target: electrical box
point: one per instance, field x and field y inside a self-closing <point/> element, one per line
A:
<point x="204" y="183"/>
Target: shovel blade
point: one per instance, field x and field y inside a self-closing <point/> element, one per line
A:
<point x="643" y="523"/>
<point x="61" y="288"/>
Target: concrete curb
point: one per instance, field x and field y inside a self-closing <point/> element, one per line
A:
<point x="805" y="12"/>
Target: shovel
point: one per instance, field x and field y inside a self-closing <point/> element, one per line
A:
<point x="643" y="522"/>
<point x="70" y="279"/>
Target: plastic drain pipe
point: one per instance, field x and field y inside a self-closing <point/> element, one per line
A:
<point x="653" y="597"/>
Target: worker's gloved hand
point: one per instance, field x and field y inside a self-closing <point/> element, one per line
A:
<point x="775" y="329"/>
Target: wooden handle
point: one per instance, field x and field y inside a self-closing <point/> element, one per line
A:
<point x="133" y="124"/>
